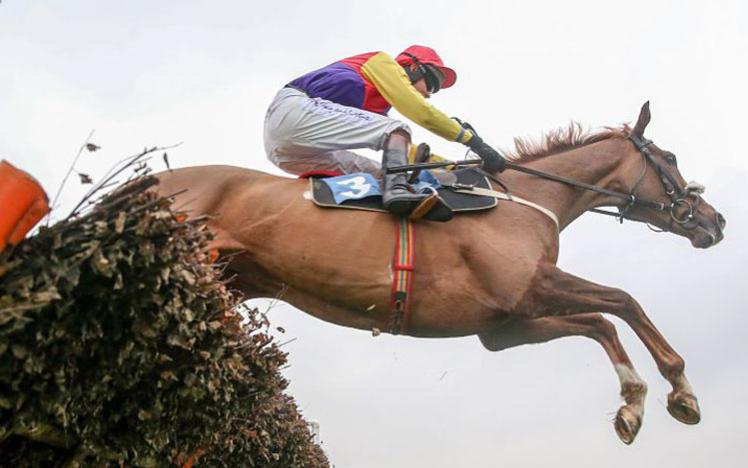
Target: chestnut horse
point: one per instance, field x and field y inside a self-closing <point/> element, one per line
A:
<point x="492" y="274"/>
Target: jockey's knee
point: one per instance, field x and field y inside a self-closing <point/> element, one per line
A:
<point x="398" y="138"/>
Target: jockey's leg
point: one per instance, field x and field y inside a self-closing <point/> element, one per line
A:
<point x="343" y="161"/>
<point x="397" y="196"/>
<point x="520" y="331"/>
<point x="301" y="132"/>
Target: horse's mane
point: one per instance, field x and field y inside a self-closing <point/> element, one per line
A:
<point x="560" y="140"/>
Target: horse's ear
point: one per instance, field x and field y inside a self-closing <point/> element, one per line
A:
<point x="641" y="123"/>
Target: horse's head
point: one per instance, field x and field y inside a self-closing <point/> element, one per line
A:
<point x="681" y="210"/>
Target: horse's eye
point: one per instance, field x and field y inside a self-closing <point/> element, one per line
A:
<point x="670" y="159"/>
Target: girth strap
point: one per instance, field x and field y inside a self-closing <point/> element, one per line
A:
<point x="403" y="268"/>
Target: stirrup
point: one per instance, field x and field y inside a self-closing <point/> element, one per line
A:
<point x="424" y="207"/>
<point x="433" y="208"/>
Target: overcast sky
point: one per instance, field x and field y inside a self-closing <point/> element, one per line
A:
<point x="144" y="73"/>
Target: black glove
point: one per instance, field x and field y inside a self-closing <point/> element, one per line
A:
<point x="492" y="160"/>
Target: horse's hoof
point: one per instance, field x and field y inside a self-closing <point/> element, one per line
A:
<point x="684" y="408"/>
<point x="627" y="424"/>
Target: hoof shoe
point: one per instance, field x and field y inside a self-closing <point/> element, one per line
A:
<point x="684" y="408"/>
<point x="627" y="424"/>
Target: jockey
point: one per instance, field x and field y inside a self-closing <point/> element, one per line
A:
<point x="317" y="118"/>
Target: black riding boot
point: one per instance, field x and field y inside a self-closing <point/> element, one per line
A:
<point x="397" y="196"/>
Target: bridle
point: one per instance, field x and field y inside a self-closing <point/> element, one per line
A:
<point x="679" y="196"/>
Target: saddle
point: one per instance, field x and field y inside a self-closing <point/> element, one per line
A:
<point x="369" y="196"/>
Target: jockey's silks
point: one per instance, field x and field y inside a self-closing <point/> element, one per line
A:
<point x="375" y="82"/>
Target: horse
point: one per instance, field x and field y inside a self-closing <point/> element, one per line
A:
<point x="492" y="274"/>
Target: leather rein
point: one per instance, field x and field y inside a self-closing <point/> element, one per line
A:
<point x="679" y="196"/>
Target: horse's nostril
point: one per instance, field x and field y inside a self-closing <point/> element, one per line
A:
<point x="721" y="222"/>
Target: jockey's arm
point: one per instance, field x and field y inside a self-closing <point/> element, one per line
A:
<point x="394" y="85"/>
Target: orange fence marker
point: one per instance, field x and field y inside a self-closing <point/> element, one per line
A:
<point x="23" y="203"/>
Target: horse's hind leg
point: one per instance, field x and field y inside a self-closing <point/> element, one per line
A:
<point x="557" y="293"/>
<point x="521" y="331"/>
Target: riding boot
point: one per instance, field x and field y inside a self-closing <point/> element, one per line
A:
<point x="398" y="197"/>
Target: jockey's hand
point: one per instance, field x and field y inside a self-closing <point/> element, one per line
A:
<point x="492" y="160"/>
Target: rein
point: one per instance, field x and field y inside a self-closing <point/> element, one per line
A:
<point x="678" y="196"/>
<point x="631" y="198"/>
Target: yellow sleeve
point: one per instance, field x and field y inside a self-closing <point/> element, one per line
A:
<point x="435" y="158"/>
<point x="391" y="80"/>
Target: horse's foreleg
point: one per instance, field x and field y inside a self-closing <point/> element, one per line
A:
<point x="529" y="331"/>
<point x="556" y="292"/>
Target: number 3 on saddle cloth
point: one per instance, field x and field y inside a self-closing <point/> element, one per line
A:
<point x="361" y="191"/>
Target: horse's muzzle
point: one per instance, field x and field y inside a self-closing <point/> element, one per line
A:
<point x="709" y="232"/>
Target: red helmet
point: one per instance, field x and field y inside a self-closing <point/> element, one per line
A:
<point x="427" y="55"/>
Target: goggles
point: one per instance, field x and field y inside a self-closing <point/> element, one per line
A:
<point x="433" y="76"/>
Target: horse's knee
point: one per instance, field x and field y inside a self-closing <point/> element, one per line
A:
<point x="601" y="328"/>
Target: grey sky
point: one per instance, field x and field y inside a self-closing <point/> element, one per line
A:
<point x="146" y="73"/>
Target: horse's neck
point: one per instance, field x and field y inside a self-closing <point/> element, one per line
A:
<point x="597" y="164"/>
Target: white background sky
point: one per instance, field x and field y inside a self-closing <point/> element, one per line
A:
<point x="146" y="73"/>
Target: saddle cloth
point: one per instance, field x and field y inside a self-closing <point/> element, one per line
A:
<point x="449" y="181"/>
